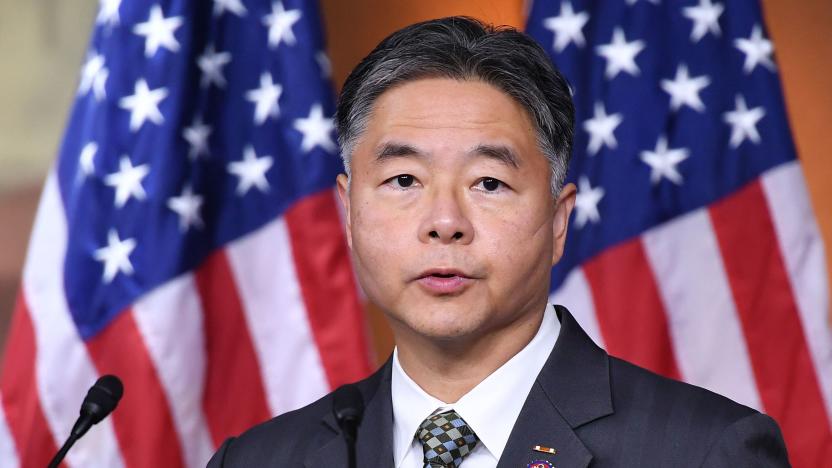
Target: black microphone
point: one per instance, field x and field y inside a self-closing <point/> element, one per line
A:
<point x="348" y="406"/>
<point x="100" y="401"/>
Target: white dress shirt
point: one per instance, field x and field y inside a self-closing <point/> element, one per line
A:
<point x="490" y="409"/>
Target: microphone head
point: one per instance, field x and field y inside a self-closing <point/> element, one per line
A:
<point x="102" y="398"/>
<point x="348" y="405"/>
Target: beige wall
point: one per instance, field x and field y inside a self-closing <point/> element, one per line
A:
<point x="42" y="45"/>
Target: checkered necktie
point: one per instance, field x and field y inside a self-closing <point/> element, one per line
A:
<point x="446" y="439"/>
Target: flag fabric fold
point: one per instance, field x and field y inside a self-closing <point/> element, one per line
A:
<point x="188" y="239"/>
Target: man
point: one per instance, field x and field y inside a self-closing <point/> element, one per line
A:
<point x="456" y="138"/>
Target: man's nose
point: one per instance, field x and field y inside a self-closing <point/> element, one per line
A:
<point x="446" y="220"/>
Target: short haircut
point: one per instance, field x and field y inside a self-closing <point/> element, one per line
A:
<point x="464" y="48"/>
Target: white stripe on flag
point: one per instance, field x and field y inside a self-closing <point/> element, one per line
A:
<point x="705" y="329"/>
<point x="64" y="371"/>
<point x="276" y="316"/>
<point x="170" y="322"/>
<point x="802" y="249"/>
<point x="8" y="453"/>
<point x="576" y="296"/>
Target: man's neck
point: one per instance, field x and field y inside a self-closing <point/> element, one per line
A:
<point x="448" y="369"/>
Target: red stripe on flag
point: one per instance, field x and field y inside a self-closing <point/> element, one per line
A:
<point x="630" y="312"/>
<point x="766" y="306"/>
<point x="26" y="421"/>
<point x="329" y="290"/>
<point x="232" y="365"/>
<point x="142" y="421"/>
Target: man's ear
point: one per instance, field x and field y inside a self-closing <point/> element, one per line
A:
<point x="343" y="184"/>
<point x="560" y="222"/>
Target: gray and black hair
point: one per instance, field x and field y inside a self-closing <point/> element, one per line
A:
<point x="464" y="48"/>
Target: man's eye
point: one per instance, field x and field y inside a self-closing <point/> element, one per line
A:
<point x="402" y="180"/>
<point x="490" y="184"/>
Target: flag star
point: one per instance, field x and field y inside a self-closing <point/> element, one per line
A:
<point x="567" y="27"/>
<point x="187" y="206"/>
<point x="211" y="63"/>
<point x="234" y="6"/>
<point x="280" y="22"/>
<point x="633" y="2"/>
<point x="705" y="17"/>
<point x="115" y="256"/>
<point x="743" y="122"/>
<point x="601" y="128"/>
<point x="127" y="181"/>
<point x="757" y="50"/>
<point x="316" y="130"/>
<point x="197" y="137"/>
<point x="143" y="104"/>
<point x="158" y="31"/>
<point x="108" y="12"/>
<point x="86" y="160"/>
<point x="265" y="99"/>
<point x="251" y="171"/>
<point x="684" y="90"/>
<point x="324" y="63"/>
<point x="586" y="203"/>
<point x="663" y="162"/>
<point x="620" y="54"/>
<point x="94" y="76"/>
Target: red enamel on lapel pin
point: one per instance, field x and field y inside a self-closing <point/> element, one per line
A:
<point x="540" y="448"/>
<point x="540" y="464"/>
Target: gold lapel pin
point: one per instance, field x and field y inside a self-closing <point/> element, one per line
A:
<point x="540" y="448"/>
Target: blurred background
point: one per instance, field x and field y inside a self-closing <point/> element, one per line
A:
<point x="43" y="45"/>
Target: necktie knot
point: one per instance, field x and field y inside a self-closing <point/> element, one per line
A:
<point x="446" y="439"/>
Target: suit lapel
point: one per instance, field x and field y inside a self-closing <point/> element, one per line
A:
<point x="375" y="443"/>
<point x="573" y="389"/>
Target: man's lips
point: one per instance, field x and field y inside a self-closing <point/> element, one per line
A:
<point x="443" y="281"/>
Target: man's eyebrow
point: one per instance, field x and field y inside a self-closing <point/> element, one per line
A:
<point x="502" y="153"/>
<point x="395" y="150"/>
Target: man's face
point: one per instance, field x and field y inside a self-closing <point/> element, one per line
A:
<point x="450" y="216"/>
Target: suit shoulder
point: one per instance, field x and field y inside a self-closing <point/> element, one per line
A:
<point x="637" y="388"/>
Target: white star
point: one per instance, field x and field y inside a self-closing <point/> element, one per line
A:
<point x="586" y="203"/>
<point x="663" y="162"/>
<point x="705" y="17"/>
<point x="197" y="137"/>
<point x="600" y="128"/>
<point x="280" y="24"/>
<point x="757" y="50"/>
<point x="633" y="2"/>
<point x="684" y="90"/>
<point x="743" y="122"/>
<point x="265" y="99"/>
<point x="324" y="63"/>
<point x="620" y="54"/>
<point x="187" y="206"/>
<point x="234" y="6"/>
<point x="251" y="171"/>
<point x="86" y="160"/>
<point x="567" y="27"/>
<point x="158" y="31"/>
<point x="211" y="63"/>
<point x="143" y="104"/>
<point x="316" y="130"/>
<point x="108" y="12"/>
<point x="94" y="76"/>
<point x="128" y="181"/>
<point x="116" y="256"/>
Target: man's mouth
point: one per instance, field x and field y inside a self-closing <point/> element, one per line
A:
<point x="444" y="281"/>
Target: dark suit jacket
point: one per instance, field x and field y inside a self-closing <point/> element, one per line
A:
<point x="594" y="409"/>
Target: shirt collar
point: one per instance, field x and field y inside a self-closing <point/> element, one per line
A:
<point x="490" y="409"/>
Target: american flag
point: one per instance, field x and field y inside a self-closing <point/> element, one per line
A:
<point x="693" y="250"/>
<point x="187" y="240"/>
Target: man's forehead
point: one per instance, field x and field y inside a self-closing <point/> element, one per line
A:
<point x="391" y="150"/>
